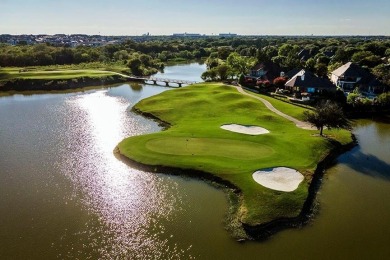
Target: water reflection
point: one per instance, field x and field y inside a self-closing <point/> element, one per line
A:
<point x="136" y="86"/>
<point x="65" y="195"/>
<point x="132" y="206"/>
<point x="184" y="71"/>
<point x="368" y="164"/>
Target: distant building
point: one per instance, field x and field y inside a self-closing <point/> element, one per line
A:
<point x="186" y="34"/>
<point x="227" y="34"/>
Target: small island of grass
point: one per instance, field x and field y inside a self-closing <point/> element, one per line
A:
<point x="194" y="142"/>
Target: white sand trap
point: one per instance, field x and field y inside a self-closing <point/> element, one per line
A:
<point x="280" y="178"/>
<point x="248" y="130"/>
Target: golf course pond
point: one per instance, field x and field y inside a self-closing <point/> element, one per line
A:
<point x="66" y="195"/>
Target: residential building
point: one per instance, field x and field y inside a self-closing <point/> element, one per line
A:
<point x="350" y="75"/>
<point x="265" y="71"/>
<point x="307" y="82"/>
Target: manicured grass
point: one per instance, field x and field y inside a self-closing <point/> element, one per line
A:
<point x="63" y="72"/>
<point x="289" y="109"/>
<point x="14" y="73"/>
<point x="342" y="136"/>
<point x="195" y="140"/>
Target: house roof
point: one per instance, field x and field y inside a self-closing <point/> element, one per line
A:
<point x="352" y="70"/>
<point x="329" y="54"/>
<point x="292" y="73"/>
<point x="304" y="54"/>
<point x="272" y="69"/>
<point x="349" y="70"/>
<point x="308" y="79"/>
<point x="258" y="66"/>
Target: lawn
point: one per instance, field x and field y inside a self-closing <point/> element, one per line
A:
<point x="194" y="140"/>
<point x="17" y="73"/>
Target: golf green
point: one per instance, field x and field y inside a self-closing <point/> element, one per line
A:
<point x="194" y="140"/>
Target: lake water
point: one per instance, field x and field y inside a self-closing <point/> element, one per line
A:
<point x="64" y="195"/>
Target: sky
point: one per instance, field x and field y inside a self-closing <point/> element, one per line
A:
<point x="165" y="17"/>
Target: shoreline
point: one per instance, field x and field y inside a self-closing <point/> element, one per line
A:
<point x="233" y="193"/>
<point x="257" y="232"/>
<point x="264" y="231"/>
<point x="237" y="229"/>
<point x="58" y="84"/>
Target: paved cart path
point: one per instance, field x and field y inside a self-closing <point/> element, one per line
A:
<point x="298" y="123"/>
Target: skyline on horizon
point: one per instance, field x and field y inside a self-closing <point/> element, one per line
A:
<point x="247" y="17"/>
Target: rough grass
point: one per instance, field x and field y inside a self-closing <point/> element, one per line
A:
<point x="194" y="140"/>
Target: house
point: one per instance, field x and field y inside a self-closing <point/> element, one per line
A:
<point x="307" y="82"/>
<point x="265" y="71"/>
<point x="329" y="54"/>
<point x="292" y="73"/>
<point x="304" y="55"/>
<point x="350" y="75"/>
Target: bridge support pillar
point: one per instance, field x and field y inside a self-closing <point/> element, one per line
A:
<point x="179" y="85"/>
<point x="167" y="83"/>
<point x="154" y="82"/>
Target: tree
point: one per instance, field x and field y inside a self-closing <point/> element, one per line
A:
<point x="321" y="70"/>
<point x="238" y="63"/>
<point x="384" y="99"/>
<point x="212" y="62"/>
<point x="209" y="75"/>
<point x="223" y="52"/>
<point x="135" y="66"/>
<point x="280" y="81"/>
<point x="321" y="58"/>
<point x="223" y="71"/>
<point x="286" y="50"/>
<point x="262" y="56"/>
<point x="327" y="114"/>
<point x="360" y="56"/>
<point x="241" y="79"/>
<point x="310" y="64"/>
<point x="270" y="51"/>
<point x="382" y="72"/>
<point x="378" y="48"/>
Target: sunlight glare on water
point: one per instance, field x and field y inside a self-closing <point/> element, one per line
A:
<point x="131" y="205"/>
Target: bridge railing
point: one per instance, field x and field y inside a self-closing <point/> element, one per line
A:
<point x="171" y="80"/>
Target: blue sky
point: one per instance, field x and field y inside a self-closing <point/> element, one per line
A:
<point x="164" y="17"/>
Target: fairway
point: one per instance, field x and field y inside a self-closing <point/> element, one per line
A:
<point x="233" y="149"/>
<point x="55" y="74"/>
<point x="194" y="140"/>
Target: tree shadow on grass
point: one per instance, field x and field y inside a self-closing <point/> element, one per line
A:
<point x="367" y="164"/>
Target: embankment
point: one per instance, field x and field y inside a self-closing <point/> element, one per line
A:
<point x="58" y="84"/>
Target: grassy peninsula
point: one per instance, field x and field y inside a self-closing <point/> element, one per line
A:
<point x="57" y="77"/>
<point x="195" y="141"/>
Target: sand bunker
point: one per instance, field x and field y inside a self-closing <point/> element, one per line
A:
<point x="242" y="129"/>
<point x="280" y="178"/>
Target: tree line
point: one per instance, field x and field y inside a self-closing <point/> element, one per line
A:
<point x="226" y="57"/>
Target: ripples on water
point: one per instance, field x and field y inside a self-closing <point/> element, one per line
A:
<point x="64" y="194"/>
<point x="131" y="205"/>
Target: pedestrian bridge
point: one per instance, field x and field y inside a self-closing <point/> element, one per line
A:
<point x="168" y="82"/>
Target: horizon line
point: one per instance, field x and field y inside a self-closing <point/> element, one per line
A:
<point x="200" y="35"/>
